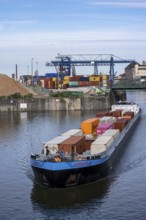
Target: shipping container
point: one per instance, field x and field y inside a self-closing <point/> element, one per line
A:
<point x="73" y="84"/>
<point x="94" y="83"/>
<point x="101" y="114"/>
<point x="103" y="127"/>
<point x="75" y="132"/>
<point x="66" y="78"/>
<point x="55" y="85"/>
<point x="64" y="86"/>
<point x="128" y="117"/>
<point x="83" y="78"/>
<point x="42" y="83"/>
<point x="73" y="145"/>
<point x="104" y="77"/>
<point x="83" y="83"/>
<point x="101" y="144"/>
<point x="46" y="83"/>
<point x="129" y="113"/>
<point x="117" y="113"/>
<point x="66" y="81"/>
<point x="109" y="113"/>
<point x="108" y="119"/>
<point x="39" y="82"/>
<point x="39" y="77"/>
<point x="89" y="126"/>
<point x="53" y="143"/>
<point x="94" y="78"/>
<point x="75" y="78"/>
<point x="35" y="83"/>
<point x="88" y="144"/>
<point x="50" y="75"/>
<point x="120" y="123"/>
<point x="50" y="83"/>
<point x="54" y="79"/>
<point x="123" y="120"/>
<point x="111" y="132"/>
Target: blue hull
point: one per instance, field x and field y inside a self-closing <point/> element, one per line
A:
<point x="65" y="174"/>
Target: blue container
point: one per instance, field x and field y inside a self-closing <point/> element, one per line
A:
<point x="83" y="79"/>
<point x="51" y="75"/>
<point x="38" y="77"/>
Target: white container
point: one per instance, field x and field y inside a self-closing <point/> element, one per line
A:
<point x="112" y="133"/>
<point x="53" y="144"/>
<point x="97" y="150"/>
<point x="75" y="132"/>
<point x="101" y="144"/>
<point x="90" y="137"/>
<point x="108" y="119"/>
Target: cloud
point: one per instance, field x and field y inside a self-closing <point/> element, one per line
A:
<point x="119" y="4"/>
<point x="9" y="26"/>
<point x="38" y="39"/>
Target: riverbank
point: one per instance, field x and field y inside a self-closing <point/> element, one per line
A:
<point x="16" y="97"/>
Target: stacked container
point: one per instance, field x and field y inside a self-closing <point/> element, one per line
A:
<point x="112" y="132"/>
<point x="104" y="80"/>
<point x="101" y="114"/>
<point x="73" y="84"/>
<point x="120" y="123"/>
<point x="89" y="126"/>
<point x="117" y="113"/>
<point x="75" y="132"/>
<point x="74" y="144"/>
<point x="101" y="144"/>
<point x="104" y="127"/>
<point x="94" y="78"/>
<point x="53" y="144"/>
<point x="129" y="113"/>
<point x="66" y="82"/>
<point x="107" y="119"/>
<point x="83" y="83"/>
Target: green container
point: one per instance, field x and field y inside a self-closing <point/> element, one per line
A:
<point x="73" y="83"/>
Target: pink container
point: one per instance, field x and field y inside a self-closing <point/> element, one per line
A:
<point x="103" y="127"/>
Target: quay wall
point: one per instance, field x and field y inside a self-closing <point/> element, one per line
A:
<point x="56" y="104"/>
<point x="97" y="102"/>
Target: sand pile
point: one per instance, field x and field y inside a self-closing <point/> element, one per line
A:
<point x="9" y="86"/>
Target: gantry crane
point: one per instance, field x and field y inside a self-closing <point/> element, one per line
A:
<point x="64" y="63"/>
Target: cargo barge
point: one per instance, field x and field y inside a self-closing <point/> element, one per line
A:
<point x="87" y="154"/>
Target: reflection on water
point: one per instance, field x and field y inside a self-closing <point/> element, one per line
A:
<point x="66" y="197"/>
<point x="22" y="198"/>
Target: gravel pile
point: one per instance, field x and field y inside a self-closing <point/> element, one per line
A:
<point x="9" y="86"/>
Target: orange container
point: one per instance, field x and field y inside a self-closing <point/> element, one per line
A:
<point x="89" y="126"/>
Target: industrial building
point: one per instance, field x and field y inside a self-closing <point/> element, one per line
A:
<point x="135" y="70"/>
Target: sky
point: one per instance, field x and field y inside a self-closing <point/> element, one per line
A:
<point x="33" y="32"/>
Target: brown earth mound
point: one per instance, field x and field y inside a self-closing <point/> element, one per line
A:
<point x="9" y="86"/>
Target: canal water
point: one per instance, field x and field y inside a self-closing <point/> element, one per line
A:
<point x="121" y="196"/>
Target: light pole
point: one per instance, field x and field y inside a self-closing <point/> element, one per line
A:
<point x="37" y="69"/>
<point x="32" y="70"/>
<point x="27" y="70"/>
